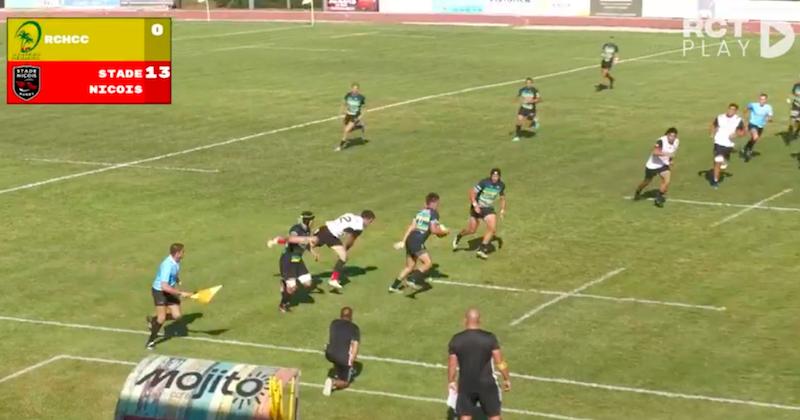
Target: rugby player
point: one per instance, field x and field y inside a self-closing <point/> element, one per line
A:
<point x="610" y="55"/>
<point x="528" y="96"/>
<point x="344" y="338"/>
<point x="661" y="161"/>
<point x="758" y="114"/>
<point x="340" y="235"/>
<point x="794" y="117"/>
<point x="425" y="222"/>
<point x="292" y="266"/>
<point x="724" y="129"/>
<point x="482" y="198"/>
<point x="352" y="108"/>
<point x="166" y="295"/>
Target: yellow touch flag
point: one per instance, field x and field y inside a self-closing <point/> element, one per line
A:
<point x="205" y="295"/>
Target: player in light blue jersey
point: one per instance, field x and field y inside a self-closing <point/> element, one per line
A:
<point x="166" y="295"/>
<point x="757" y="114"/>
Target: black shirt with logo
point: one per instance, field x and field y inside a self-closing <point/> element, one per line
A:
<point x="342" y="333"/>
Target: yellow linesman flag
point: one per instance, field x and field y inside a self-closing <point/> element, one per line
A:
<point x="205" y="295"/>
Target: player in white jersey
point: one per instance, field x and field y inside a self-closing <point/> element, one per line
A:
<point x="339" y="235"/>
<point x="724" y="129"/>
<point x="660" y="163"/>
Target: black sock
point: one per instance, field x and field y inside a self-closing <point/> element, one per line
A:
<point x="285" y="298"/>
<point x="155" y="327"/>
<point x="396" y="283"/>
<point x="750" y="145"/>
<point x="519" y="130"/>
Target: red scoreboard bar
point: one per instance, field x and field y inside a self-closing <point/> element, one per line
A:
<point x="89" y="61"/>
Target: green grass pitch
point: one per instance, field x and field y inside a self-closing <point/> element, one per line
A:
<point x="84" y="250"/>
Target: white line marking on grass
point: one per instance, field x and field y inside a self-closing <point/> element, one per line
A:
<point x="559" y="298"/>
<point x="228" y="34"/>
<point x="581" y="295"/>
<point x="487" y="25"/>
<point x="716" y="204"/>
<point x="315" y="122"/>
<point x="271" y="46"/>
<point x="749" y="208"/>
<point x="161" y="168"/>
<point x="596" y="28"/>
<point x="355" y="34"/>
<point x="29" y="368"/>
<point x="437" y="366"/>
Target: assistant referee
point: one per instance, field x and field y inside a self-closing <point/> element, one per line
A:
<point x="474" y="356"/>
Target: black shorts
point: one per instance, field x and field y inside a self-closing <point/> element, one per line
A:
<point x="751" y="127"/>
<point x="795" y="113"/>
<point x="723" y="151"/>
<point x="341" y="370"/>
<point x="161" y="298"/>
<point x="489" y="399"/>
<point x="415" y="246"/>
<point x="355" y="119"/>
<point x="325" y="237"/>
<point x="527" y="113"/>
<point x="651" y="173"/>
<point x="292" y="267"/>
<point x="606" y="64"/>
<point x="485" y="211"/>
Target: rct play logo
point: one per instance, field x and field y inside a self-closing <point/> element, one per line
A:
<point x="718" y="29"/>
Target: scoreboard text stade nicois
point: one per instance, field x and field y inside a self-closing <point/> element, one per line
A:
<point x="89" y="61"/>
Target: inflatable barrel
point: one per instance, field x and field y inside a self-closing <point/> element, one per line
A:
<point x="174" y="388"/>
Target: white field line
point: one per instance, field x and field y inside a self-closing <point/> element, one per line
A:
<point x="311" y="123"/>
<point x="438" y="366"/>
<point x="486" y="25"/>
<point x="354" y="34"/>
<point x="581" y="295"/>
<point x="271" y="46"/>
<point x="559" y="298"/>
<point x="750" y="208"/>
<point x="305" y="384"/>
<point x="716" y="204"/>
<point x="87" y="163"/>
<point x="229" y="34"/>
<point x="597" y="28"/>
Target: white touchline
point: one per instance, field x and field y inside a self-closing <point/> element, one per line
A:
<point x="559" y="298"/>
<point x="311" y="123"/>
<point x="228" y="34"/>
<point x="355" y="34"/>
<point x="305" y="384"/>
<point x="716" y="204"/>
<point x="580" y="295"/>
<point x="162" y="168"/>
<point x="749" y="208"/>
<point x="618" y="388"/>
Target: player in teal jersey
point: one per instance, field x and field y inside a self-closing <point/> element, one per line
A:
<point x="482" y="198"/>
<point x="418" y="260"/>
<point x="529" y="97"/>
<point x="794" y="119"/>
<point x="610" y="54"/>
<point x="352" y="108"/>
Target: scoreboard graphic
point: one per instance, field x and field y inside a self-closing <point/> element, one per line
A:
<point x="89" y="61"/>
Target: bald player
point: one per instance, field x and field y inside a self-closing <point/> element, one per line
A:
<point x="474" y="356"/>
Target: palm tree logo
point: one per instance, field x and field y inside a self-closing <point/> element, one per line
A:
<point x="26" y="33"/>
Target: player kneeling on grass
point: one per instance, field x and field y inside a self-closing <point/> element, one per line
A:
<point x="342" y="350"/>
<point x="340" y="235"/>
<point x="724" y="129"/>
<point x="425" y="222"/>
<point x="529" y="97"/>
<point x="482" y="198"/>
<point x="166" y="295"/>
<point x="292" y="266"/>
<point x="352" y="108"/>
<point x="660" y="163"/>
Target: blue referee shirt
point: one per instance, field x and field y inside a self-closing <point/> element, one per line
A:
<point x="167" y="273"/>
<point x="759" y="114"/>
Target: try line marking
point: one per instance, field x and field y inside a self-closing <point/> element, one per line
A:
<point x="581" y="295"/>
<point x="750" y="208"/>
<point x="314" y="122"/>
<point x="425" y="365"/>
<point x="161" y="168"/>
<point x="559" y="298"/>
<point x="716" y="204"/>
<point x="306" y="384"/>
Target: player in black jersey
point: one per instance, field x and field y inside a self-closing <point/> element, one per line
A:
<point x="293" y="268"/>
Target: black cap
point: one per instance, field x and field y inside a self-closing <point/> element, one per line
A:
<point x="307" y="215"/>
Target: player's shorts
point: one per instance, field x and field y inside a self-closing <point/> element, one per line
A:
<point x="341" y="370"/>
<point x="355" y="119"/>
<point x="161" y="298"/>
<point x="415" y="246"/>
<point x="489" y="399"/>
<point x="606" y="64"/>
<point x="325" y="237"/>
<point x="759" y="130"/>
<point x="795" y="113"/>
<point x="723" y="151"/>
<point x="527" y="113"/>
<point x="485" y="211"/>
<point x="651" y="173"/>
<point x="292" y="267"/>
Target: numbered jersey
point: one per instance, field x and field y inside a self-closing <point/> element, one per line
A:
<point x="527" y="95"/>
<point x="346" y="223"/>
